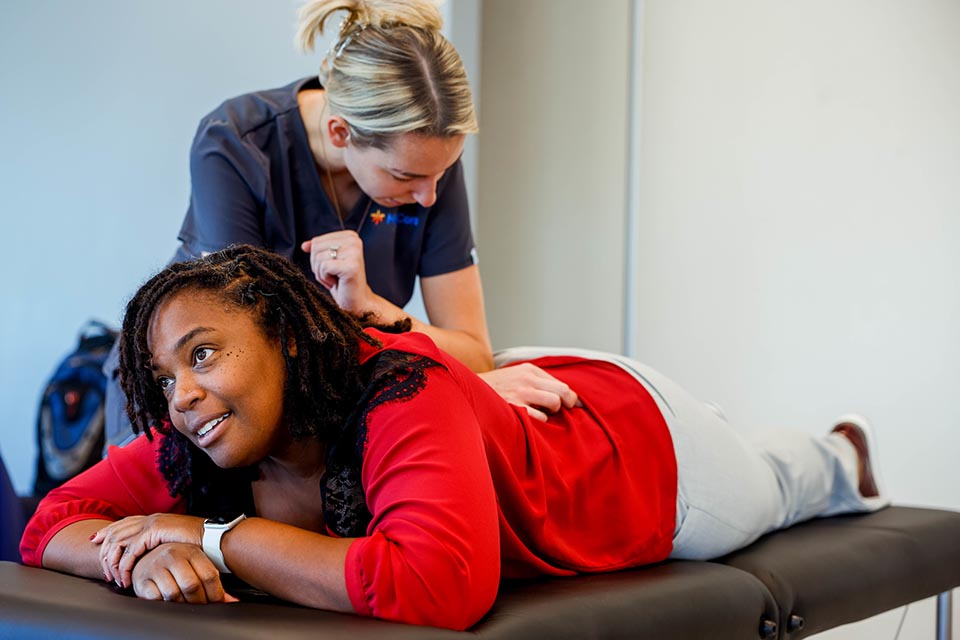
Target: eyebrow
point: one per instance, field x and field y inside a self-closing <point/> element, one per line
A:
<point x="189" y="336"/>
<point x="407" y="174"/>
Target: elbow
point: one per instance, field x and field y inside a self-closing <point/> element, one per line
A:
<point x="458" y="608"/>
<point x="483" y="363"/>
<point x="441" y="592"/>
<point x="462" y="607"/>
<point x="480" y="359"/>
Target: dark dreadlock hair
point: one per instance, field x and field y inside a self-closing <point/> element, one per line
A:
<point x="324" y="380"/>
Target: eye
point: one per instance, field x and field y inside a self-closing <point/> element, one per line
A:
<point x="401" y="178"/>
<point x="200" y="354"/>
<point x="164" y="382"/>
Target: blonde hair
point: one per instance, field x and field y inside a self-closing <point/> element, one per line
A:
<point x="390" y="71"/>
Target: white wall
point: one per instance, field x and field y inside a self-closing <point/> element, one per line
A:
<point x="799" y="225"/>
<point x="100" y="102"/>
<point x="552" y="169"/>
<point x="800" y="218"/>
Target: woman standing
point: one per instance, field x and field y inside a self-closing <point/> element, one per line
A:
<point x="355" y="176"/>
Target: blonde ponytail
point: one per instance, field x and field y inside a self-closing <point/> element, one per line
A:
<point x="389" y="70"/>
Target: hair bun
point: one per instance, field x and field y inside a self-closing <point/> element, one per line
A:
<point x="313" y="16"/>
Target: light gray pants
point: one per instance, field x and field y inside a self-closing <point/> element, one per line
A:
<point x="732" y="490"/>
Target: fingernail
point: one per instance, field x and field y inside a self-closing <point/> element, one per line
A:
<point x="93" y="536"/>
<point x="106" y="578"/>
<point x="118" y="583"/>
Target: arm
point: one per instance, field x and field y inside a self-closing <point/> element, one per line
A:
<point x="102" y="511"/>
<point x="125" y="483"/>
<point x="226" y="195"/>
<point x="168" y="561"/>
<point x="454" y="304"/>
<point x="290" y="563"/>
<point x="454" y="300"/>
<point x="432" y="555"/>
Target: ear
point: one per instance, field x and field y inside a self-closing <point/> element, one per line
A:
<point x="338" y="131"/>
<point x="290" y="342"/>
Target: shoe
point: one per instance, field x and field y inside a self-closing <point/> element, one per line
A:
<point x="857" y="431"/>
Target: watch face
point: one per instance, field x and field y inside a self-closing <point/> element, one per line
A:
<point x="219" y="520"/>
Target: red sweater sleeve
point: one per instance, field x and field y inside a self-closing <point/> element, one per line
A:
<point x="127" y="482"/>
<point x="431" y="555"/>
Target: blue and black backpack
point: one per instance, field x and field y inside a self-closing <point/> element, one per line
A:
<point x="70" y="423"/>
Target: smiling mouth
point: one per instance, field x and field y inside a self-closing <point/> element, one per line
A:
<point x="207" y="428"/>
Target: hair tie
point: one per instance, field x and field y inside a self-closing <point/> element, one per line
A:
<point x="345" y="40"/>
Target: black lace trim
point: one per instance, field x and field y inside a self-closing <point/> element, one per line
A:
<point x="396" y="376"/>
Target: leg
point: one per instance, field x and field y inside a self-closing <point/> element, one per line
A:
<point x="945" y="615"/>
<point x="731" y="490"/>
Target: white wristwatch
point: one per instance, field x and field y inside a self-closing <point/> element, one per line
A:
<point x="213" y="530"/>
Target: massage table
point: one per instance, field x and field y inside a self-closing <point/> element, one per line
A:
<point x="789" y="584"/>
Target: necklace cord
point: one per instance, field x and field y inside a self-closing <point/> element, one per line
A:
<point x="330" y="183"/>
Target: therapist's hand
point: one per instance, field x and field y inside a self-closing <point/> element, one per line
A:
<point x="531" y="387"/>
<point x="178" y="572"/>
<point x="336" y="260"/>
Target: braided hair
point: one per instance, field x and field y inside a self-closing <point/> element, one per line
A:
<point x="324" y="380"/>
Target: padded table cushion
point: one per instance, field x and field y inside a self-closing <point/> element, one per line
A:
<point x="830" y="572"/>
<point x="838" y="570"/>
<point x="681" y="599"/>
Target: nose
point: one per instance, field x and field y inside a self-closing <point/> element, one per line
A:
<point x="186" y="393"/>
<point x="426" y="193"/>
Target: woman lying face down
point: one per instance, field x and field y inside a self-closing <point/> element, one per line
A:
<point x="356" y="470"/>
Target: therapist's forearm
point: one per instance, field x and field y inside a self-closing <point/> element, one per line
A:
<point x="471" y="350"/>
<point x="467" y="348"/>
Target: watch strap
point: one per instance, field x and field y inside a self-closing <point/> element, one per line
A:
<point x="212" y="534"/>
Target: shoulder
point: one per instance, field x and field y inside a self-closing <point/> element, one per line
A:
<point x="247" y="113"/>
<point x="409" y="367"/>
<point x="411" y="342"/>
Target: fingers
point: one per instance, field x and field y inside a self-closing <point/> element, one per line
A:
<point x="120" y="546"/>
<point x="165" y="585"/>
<point x="536" y="414"/>
<point x="110" y="556"/>
<point x="180" y="573"/>
<point x="128" y="559"/>
<point x="548" y="400"/>
<point x="568" y="397"/>
<point x="333" y="255"/>
<point x="148" y="590"/>
<point x="559" y="392"/>
<point x="530" y="386"/>
<point x="545" y="382"/>
<point x="123" y="542"/>
<point x="211" y="588"/>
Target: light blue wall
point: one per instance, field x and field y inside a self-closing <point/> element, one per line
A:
<point x="99" y="103"/>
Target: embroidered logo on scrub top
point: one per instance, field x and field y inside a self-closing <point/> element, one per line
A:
<point x="378" y="217"/>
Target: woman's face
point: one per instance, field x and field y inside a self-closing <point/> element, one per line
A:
<point x="223" y="378"/>
<point x="405" y="173"/>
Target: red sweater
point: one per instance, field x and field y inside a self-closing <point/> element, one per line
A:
<point x="464" y="489"/>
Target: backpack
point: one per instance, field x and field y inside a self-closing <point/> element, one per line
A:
<point x="70" y="422"/>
